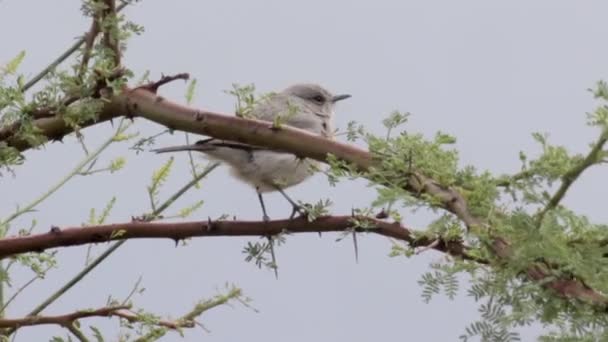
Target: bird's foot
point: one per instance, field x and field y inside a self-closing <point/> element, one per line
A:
<point x="299" y="209"/>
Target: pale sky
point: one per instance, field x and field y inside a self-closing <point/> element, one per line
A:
<point x="489" y="73"/>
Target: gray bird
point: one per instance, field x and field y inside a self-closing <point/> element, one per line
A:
<point x="305" y="106"/>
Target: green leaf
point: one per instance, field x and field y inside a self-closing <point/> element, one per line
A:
<point x="190" y="91"/>
<point x="12" y="66"/>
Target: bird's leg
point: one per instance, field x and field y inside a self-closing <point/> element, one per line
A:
<point x="296" y="208"/>
<point x="265" y="217"/>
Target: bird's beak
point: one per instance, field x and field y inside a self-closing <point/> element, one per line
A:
<point x="340" y="97"/>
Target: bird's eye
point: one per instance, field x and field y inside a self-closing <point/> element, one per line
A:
<point x="318" y="98"/>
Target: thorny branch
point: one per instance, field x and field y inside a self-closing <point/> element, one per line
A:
<point x="74" y="236"/>
<point x="62" y="320"/>
<point x="143" y="103"/>
<point x="69" y="321"/>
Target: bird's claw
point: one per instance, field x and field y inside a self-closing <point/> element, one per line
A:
<point x="300" y="210"/>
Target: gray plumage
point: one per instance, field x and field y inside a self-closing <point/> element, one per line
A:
<point x="305" y="106"/>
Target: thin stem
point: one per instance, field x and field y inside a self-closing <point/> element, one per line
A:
<point x="23" y="287"/>
<point x="114" y="247"/>
<point x="62" y="57"/>
<point x="76" y="332"/>
<point x="50" y="192"/>
<point x="190" y="158"/>
<point x="65" y="179"/>
<point x="198" y="310"/>
<point x="573" y="174"/>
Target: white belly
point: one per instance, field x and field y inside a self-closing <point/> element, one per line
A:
<point x="268" y="169"/>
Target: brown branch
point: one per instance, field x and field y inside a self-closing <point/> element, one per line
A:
<point x="153" y="86"/>
<point x="74" y="236"/>
<point x="89" y="40"/>
<point x="110" y="39"/>
<point x="67" y="320"/>
<point x="133" y="317"/>
<point x="139" y="102"/>
<point x="62" y="320"/>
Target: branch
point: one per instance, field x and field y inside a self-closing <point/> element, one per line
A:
<point x="110" y="39"/>
<point x="88" y="39"/>
<point x="139" y="102"/>
<point x="62" y="320"/>
<point x="573" y="174"/>
<point x="63" y="56"/>
<point x="132" y="317"/>
<point x="199" y="309"/>
<point x="74" y="236"/>
<point x="68" y="321"/>
<point x="78" y="277"/>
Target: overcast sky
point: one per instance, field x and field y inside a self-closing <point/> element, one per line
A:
<point x="488" y="72"/>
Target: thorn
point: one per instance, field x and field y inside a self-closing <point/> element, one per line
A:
<point x="198" y="116"/>
<point x="137" y="219"/>
<point x="55" y="230"/>
<point x="352" y="212"/>
<point x="320" y="235"/>
<point x="176" y="242"/>
<point x="382" y="214"/>
<point x="356" y="245"/>
<point x="209" y="224"/>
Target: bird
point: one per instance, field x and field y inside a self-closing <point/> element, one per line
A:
<point x="304" y="105"/>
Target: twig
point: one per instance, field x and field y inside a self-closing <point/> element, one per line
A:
<point x="63" y="320"/>
<point x="199" y="309"/>
<point x="62" y="57"/>
<point x="112" y="248"/>
<point x="110" y="39"/>
<point x="89" y="41"/>
<point x="65" y="179"/>
<point x="153" y="86"/>
<point x="21" y="289"/>
<point x="573" y="174"/>
<point x="135" y="288"/>
<point x="73" y="236"/>
<point x="76" y="332"/>
<point x="133" y="317"/>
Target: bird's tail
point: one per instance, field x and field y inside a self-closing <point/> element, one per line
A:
<point x="200" y="146"/>
<point x="233" y="153"/>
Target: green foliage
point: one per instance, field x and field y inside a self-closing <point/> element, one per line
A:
<point x="565" y="244"/>
<point x="262" y="253"/>
<point x="245" y="99"/>
<point x="158" y="179"/>
<point x="101" y="219"/>
<point x="190" y="91"/>
<point x="316" y="210"/>
<point x="282" y="118"/>
<point x="187" y="211"/>
<point x="524" y="209"/>
<point x="11" y="67"/>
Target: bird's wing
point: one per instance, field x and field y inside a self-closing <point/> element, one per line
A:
<point x="292" y="111"/>
<point x="207" y="145"/>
